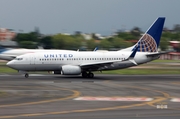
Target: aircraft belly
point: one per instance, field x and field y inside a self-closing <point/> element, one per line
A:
<point x="23" y="67"/>
<point x="47" y="67"/>
<point x="124" y="64"/>
<point x="118" y="65"/>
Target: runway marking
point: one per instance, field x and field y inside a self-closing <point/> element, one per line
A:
<point x="113" y="99"/>
<point x="176" y="83"/>
<point x="75" y="94"/>
<point x="151" y="103"/>
<point x="72" y="111"/>
<point x="175" y="100"/>
<point x="80" y="111"/>
<point x="166" y="95"/>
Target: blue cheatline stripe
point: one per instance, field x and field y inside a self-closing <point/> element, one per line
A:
<point x="3" y="50"/>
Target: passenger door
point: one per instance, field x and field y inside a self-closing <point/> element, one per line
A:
<point x="32" y="63"/>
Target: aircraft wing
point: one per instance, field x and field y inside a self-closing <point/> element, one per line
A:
<point x="97" y="65"/>
<point x="104" y="64"/>
<point x="7" y="57"/>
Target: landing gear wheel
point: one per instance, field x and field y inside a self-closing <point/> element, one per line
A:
<point x="84" y="74"/>
<point x="91" y="75"/>
<point x="26" y="75"/>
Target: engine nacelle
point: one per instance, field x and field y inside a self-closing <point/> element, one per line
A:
<point x="71" y="70"/>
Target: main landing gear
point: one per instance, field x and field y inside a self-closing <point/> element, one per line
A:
<point x="87" y="75"/>
<point x="26" y="75"/>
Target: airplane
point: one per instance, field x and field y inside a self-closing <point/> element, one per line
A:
<point x="10" y="53"/>
<point x="84" y="63"/>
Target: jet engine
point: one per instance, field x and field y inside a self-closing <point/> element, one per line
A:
<point x="71" y="70"/>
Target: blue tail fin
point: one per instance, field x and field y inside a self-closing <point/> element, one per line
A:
<point x="149" y="42"/>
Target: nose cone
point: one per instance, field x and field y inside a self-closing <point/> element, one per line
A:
<point x="10" y="64"/>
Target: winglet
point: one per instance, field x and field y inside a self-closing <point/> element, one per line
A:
<point x="95" y="49"/>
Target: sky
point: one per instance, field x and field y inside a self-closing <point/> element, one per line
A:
<point x="87" y="16"/>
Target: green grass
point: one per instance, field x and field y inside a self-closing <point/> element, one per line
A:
<point x="129" y="71"/>
<point x="3" y="63"/>
<point x="143" y="71"/>
<point x="5" y="69"/>
<point x="2" y="93"/>
<point x="166" y="61"/>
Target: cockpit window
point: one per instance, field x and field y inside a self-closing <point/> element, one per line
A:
<point x="18" y="58"/>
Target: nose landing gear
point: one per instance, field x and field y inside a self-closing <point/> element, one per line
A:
<point x="26" y="75"/>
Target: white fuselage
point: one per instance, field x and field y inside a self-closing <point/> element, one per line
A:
<point x="75" y="63"/>
<point x="10" y="54"/>
<point x="50" y="61"/>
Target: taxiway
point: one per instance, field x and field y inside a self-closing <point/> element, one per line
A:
<point x="104" y="97"/>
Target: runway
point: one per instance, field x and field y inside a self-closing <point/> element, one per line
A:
<point x="103" y="97"/>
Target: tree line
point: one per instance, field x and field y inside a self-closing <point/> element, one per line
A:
<point x="120" y="40"/>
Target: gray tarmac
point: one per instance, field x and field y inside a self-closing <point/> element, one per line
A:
<point x="53" y="97"/>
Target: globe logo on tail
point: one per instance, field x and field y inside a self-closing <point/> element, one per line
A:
<point x="147" y="44"/>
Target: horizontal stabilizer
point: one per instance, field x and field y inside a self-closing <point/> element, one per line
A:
<point x="158" y="53"/>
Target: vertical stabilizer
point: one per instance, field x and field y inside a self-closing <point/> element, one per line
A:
<point x="149" y="42"/>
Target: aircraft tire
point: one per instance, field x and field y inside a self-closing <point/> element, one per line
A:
<point x="91" y="75"/>
<point x="26" y="75"/>
<point x="84" y="74"/>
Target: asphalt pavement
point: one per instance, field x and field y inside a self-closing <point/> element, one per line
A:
<point x="103" y="97"/>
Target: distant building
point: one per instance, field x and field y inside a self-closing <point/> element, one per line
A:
<point x="171" y="56"/>
<point x="6" y="37"/>
<point x="87" y="36"/>
<point x="6" y="34"/>
<point x="174" y="44"/>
